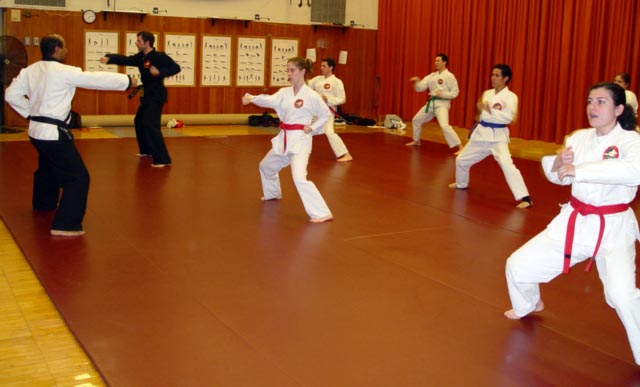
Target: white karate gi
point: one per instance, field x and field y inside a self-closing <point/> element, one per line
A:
<point x="495" y="141"/>
<point x="446" y="83"/>
<point x="46" y="89"/>
<point x="607" y="172"/>
<point x="51" y="86"/>
<point x="294" y="109"/>
<point x="333" y="89"/>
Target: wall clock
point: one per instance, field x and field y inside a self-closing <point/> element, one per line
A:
<point x="88" y="16"/>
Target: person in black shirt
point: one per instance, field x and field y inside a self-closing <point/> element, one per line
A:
<point x="154" y="66"/>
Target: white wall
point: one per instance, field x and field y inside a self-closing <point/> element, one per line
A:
<point x="363" y="12"/>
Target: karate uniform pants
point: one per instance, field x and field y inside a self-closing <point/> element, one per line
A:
<point x="441" y="113"/>
<point x="476" y="151"/>
<point x="336" y="143"/>
<point x="60" y="167"/>
<point x="273" y="162"/>
<point x="541" y="259"/>
<point x="149" y="134"/>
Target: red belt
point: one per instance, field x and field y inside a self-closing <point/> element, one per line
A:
<point x="587" y="209"/>
<point x="287" y="127"/>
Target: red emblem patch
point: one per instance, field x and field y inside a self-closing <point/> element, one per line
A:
<point x="440" y="81"/>
<point x="146" y="64"/>
<point x="611" y="152"/>
<point x="299" y="103"/>
<point x="497" y="106"/>
<point x="327" y="86"/>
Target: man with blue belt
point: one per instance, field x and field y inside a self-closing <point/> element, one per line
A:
<point x="498" y="108"/>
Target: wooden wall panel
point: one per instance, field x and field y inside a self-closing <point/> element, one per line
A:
<point x="358" y="75"/>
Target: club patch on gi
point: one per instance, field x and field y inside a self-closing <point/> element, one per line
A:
<point x="497" y="106"/>
<point x="327" y="86"/>
<point x="299" y="103"/>
<point x="611" y="152"/>
<point x="440" y="81"/>
<point x="146" y="64"/>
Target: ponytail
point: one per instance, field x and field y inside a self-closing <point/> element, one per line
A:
<point x="628" y="119"/>
<point x="302" y="63"/>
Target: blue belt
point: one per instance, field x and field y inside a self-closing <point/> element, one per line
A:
<point x="492" y="125"/>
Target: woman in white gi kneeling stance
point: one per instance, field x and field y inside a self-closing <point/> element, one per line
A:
<point x="602" y="165"/>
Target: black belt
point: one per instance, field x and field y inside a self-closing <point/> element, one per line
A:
<point x="62" y="125"/>
<point x="135" y="91"/>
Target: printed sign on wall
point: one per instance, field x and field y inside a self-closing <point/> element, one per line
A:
<point x="251" y="62"/>
<point x="281" y="51"/>
<point x="216" y="61"/>
<point x="96" y="45"/>
<point x="182" y="49"/>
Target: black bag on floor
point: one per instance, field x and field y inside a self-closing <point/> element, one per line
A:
<point x="75" y="121"/>
<point x="357" y="120"/>
<point x="265" y="120"/>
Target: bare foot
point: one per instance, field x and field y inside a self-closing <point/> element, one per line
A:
<point x="160" y="165"/>
<point x="321" y="220"/>
<point x="143" y="154"/>
<point x="345" y="157"/>
<point x="66" y="232"/>
<point x="266" y="200"/>
<point x="524" y="204"/>
<point x="413" y="143"/>
<point x="455" y="186"/>
<point x="511" y="315"/>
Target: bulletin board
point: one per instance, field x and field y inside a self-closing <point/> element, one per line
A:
<point x="96" y="45"/>
<point x="251" y="61"/>
<point x="216" y="61"/>
<point x="131" y="49"/>
<point x="182" y="49"/>
<point x="281" y="51"/>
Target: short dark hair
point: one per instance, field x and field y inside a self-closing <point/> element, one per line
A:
<point x="444" y="57"/>
<point x="48" y="45"/>
<point x="330" y="62"/>
<point x="505" y="70"/>
<point x="147" y="37"/>
<point x="625" y="77"/>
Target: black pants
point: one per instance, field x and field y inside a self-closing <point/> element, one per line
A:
<point x="148" y="133"/>
<point x="60" y="167"/>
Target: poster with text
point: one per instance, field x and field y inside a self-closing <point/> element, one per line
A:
<point x="216" y="61"/>
<point x="281" y="51"/>
<point x="182" y="49"/>
<point x="96" y="45"/>
<point x="251" y="62"/>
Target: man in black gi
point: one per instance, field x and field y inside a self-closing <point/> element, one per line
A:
<point x="154" y="66"/>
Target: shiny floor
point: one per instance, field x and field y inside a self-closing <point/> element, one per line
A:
<point x="186" y="279"/>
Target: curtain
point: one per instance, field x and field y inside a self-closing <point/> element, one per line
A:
<point x="556" y="48"/>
